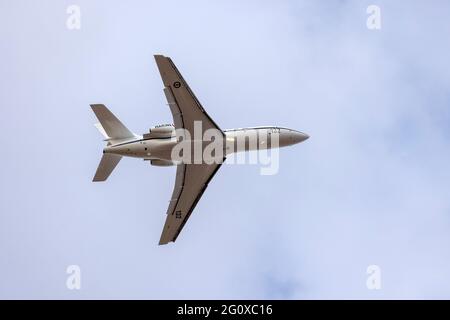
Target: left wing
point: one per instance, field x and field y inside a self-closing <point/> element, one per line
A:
<point x="190" y="183"/>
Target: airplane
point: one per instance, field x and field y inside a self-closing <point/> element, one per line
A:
<point x="157" y="145"/>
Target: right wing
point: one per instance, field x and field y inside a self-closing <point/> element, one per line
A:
<point x="183" y="104"/>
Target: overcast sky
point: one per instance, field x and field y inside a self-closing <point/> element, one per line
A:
<point x="370" y="187"/>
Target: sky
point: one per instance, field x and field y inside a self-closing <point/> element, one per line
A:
<point x="371" y="186"/>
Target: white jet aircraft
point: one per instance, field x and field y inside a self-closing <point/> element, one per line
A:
<point x="192" y="177"/>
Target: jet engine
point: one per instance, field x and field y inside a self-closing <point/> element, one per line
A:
<point x="161" y="131"/>
<point x="162" y="163"/>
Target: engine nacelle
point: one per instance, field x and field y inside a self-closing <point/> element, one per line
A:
<point x="162" y="163"/>
<point x="161" y="131"/>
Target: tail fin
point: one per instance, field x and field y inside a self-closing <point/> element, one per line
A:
<point x="102" y="131"/>
<point x="112" y="126"/>
<point x="113" y="130"/>
<point x="107" y="164"/>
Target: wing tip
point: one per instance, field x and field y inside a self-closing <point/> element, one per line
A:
<point x="165" y="240"/>
<point x="96" y="105"/>
<point x="160" y="57"/>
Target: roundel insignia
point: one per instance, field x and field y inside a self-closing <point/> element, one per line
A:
<point x="177" y="84"/>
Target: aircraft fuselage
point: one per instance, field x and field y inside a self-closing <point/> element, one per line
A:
<point x="236" y="140"/>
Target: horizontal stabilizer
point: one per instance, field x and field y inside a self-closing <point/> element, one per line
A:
<point x="106" y="166"/>
<point x="111" y="125"/>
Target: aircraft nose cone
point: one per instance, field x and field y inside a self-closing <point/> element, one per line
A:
<point x="300" y="137"/>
